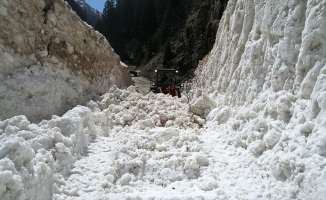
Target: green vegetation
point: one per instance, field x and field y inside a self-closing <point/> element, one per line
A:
<point x="192" y="17"/>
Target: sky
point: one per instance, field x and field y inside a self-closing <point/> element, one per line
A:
<point x="97" y="4"/>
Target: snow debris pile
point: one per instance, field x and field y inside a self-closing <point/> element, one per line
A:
<point x="150" y="139"/>
<point x="31" y="154"/>
<point x="51" y="61"/>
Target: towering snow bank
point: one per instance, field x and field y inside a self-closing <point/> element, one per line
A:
<point x="266" y="74"/>
<point x="266" y="45"/>
<point x="50" y="60"/>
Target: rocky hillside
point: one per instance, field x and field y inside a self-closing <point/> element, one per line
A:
<point x="51" y="60"/>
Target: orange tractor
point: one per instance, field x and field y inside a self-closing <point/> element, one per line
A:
<point x="165" y="82"/>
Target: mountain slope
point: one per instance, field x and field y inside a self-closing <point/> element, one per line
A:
<point x="177" y="34"/>
<point x="92" y="14"/>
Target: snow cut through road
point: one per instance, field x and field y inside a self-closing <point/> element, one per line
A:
<point x="155" y="148"/>
<point x="142" y="83"/>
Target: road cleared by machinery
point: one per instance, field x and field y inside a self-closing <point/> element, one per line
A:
<point x="142" y="83"/>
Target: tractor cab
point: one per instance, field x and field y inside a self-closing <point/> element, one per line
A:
<point x="165" y="82"/>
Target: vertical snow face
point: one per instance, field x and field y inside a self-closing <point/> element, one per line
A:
<point x="266" y="74"/>
<point x="51" y="61"/>
<point x="264" y="45"/>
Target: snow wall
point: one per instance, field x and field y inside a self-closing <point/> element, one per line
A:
<point x="264" y="86"/>
<point x="51" y="61"/>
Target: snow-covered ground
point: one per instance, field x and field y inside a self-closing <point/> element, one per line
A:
<point x="250" y="126"/>
<point x="129" y="146"/>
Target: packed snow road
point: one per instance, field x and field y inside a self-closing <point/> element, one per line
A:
<point x="142" y="83"/>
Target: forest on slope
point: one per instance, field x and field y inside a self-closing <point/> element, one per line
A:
<point x="79" y="11"/>
<point x="85" y="11"/>
<point x="177" y="34"/>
